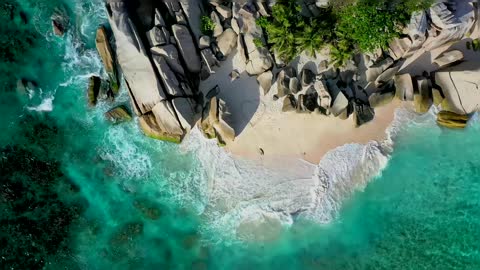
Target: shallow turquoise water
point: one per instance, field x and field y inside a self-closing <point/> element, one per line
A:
<point x="82" y="194"/>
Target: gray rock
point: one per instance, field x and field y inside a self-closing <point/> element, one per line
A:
<point x="374" y="71"/>
<point x="289" y="103"/>
<point x="283" y="81"/>
<point x="363" y="114"/>
<point x="170" y="81"/>
<point x="227" y="41"/>
<point x="404" y="87"/>
<point x="387" y="76"/>
<point x="224" y="11"/>
<point x="448" y="58"/>
<point x="165" y="125"/>
<point x="307" y="77"/>
<point x="265" y="81"/>
<point x="170" y="53"/>
<point x="181" y="18"/>
<point x="134" y="61"/>
<point x="423" y="99"/>
<point x="310" y="100"/>
<point x="185" y="112"/>
<point x="442" y="17"/>
<point x="398" y="47"/>
<point x="234" y="75"/>
<point x="187" y="48"/>
<point x="324" y="98"/>
<point x="417" y="29"/>
<point x="106" y="54"/>
<point x="214" y="122"/>
<point x="118" y="115"/>
<point x="209" y="59"/>
<point x="159" y="21"/>
<point x="379" y="99"/>
<point x="204" y="42"/>
<point x="460" y="86"/>
<point x="93" y="90"/>
<point x="259" y="59"/>
<point x="156" y="37"/>
<point x="218" y="29"/>
<point x="294" y="85"/>
<point x="339" y="105"/>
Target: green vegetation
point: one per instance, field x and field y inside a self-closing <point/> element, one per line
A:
<point x="347" y="27"/>
<point x="258" y="43"/>
<point x="207" y="25"/>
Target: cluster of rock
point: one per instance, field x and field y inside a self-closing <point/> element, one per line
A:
<point x="236" y="28"/>
<point x="163" y="57"/>
<point x="330" y="93"/>
<point x="442" y="23"/>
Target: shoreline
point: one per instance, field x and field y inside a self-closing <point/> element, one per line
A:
<point x="315" y="142"/>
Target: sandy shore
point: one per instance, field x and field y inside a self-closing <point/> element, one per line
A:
<point x="260" y="123"/>
<point x="307" y="136"/>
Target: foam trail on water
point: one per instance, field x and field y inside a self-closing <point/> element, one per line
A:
<point x="241" y="191"/>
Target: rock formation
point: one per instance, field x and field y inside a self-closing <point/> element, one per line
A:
<point x="118" y="115"/>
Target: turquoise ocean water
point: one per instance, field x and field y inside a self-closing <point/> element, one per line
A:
<point x="78" y="193"/>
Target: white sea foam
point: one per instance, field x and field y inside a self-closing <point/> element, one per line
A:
<point x="45" y="106"/>
<point x="240" y="191"/>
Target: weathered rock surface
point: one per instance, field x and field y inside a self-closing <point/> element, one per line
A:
<point x="156" y="37"/>
<point x="93" y="90"/>
<point x="339" y="105"/>
<point x="265" y="81"/>
<point x="423" y="99"/>
<point x="294" y="85"/>
<point x="289" y="103"/>
<point x="448" y="58"/>
<point x="134" y="61"/>
<point x="404" y="87"/>
<point x="460" y="85"/>
<point x="283" y="81"/>
<point x="324" y="98"/>
<point x="379" y="99"/>
<point x="387" y="76"/>
<point x="187" y="48"/>
<point x="106" y="54"/>
<point x="442" y="17"/>
<point x="418" y="28"/>
<point x="227" y="41"/>
<point x="170" y="54"/>
<point x="363" y="114"/>
<point x="398" y="47"/>
<point x="214" y="123"/>
<point x="60" y="22"/>
<point x="259" y="59"/>
<point x="307" y="77"/>
<point x="118" y="115"/>
<point x="452" y="120"/>
<point x="204" y="42"/>
<point x="374" y="71"/>
<point x="167" y="126"/>
<point x="218" y="29"/>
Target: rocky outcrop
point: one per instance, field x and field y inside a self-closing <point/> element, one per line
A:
<point x="289" y="103"/>
<point x="106" y="54"/>
<point x="374" y="71"/>
<point x="399" y="47"/>
<point x="283" y="81"/>
<point x="265" y="81"/>
<point x="363" y="114"/>
<point x="452" y="120"/>
<point x="404" y="87"/>
<point x="324" y="98"/>
<point x="214" y="124"/>
<point x="118" y="115"/>
<point x="448" y="58"/>
<point x="417" y="29"/>
<point x="187" y="48"/>
<point x="259" y="59"/>
<point x="380" y="99"/>
<point x="340" y="104"/>
<point x="460" y="85"/>
<point x="60" y="22"/>
<point x="94" y="85"/>
<point x="307" y="77"/>
<point x="227" y="41"/>
<point x="423" y="98"/>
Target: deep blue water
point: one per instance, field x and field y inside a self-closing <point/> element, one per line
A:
<point x="78" y="193"/>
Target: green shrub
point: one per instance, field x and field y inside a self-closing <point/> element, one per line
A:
<point x="348" y="26"/>
<point x="258" y="43"/>
<point x="207" y="25"/>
